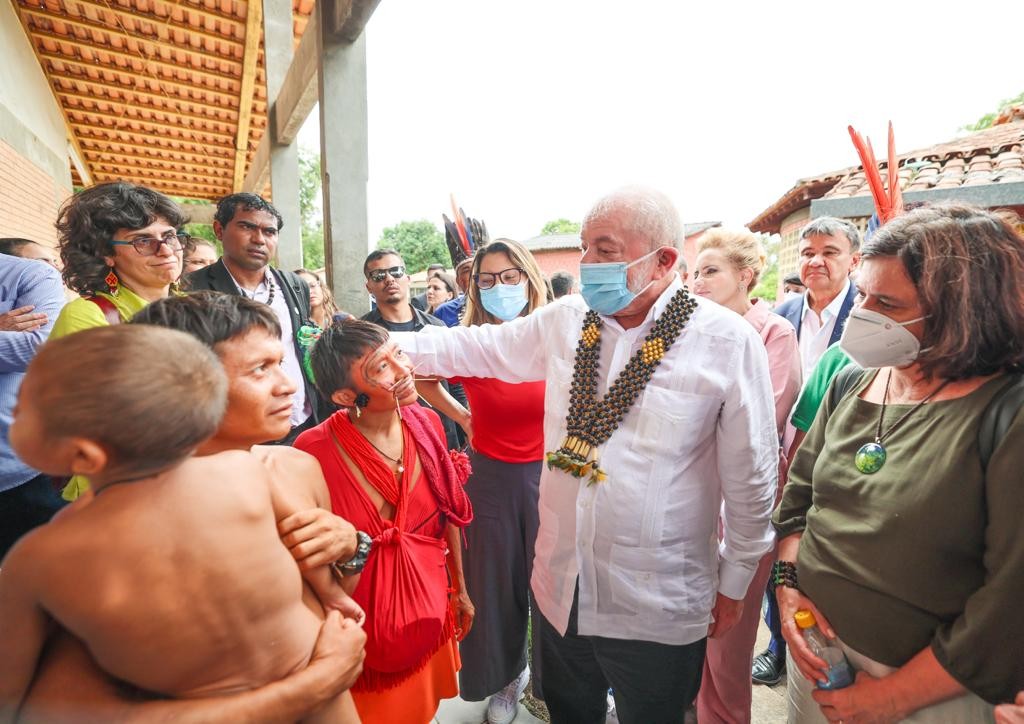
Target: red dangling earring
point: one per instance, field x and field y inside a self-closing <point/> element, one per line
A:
<point x="111" y="282"/>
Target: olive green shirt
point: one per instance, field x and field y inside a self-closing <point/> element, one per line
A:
<point x="929" y="550"/>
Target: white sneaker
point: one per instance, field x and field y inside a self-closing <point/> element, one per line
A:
<point x="503" y="706"/>
<point x="611" y="716"/>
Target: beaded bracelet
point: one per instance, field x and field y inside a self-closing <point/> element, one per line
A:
<point x="784" y="574"/>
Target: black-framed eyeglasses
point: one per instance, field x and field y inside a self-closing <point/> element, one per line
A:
<point x="150" y="246"/>
<point x="379" y="275"/>
<point x="486" y="280"/>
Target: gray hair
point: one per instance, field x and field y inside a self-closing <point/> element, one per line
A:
<point x="831" y="226"/>
<point x="650" y="214"/>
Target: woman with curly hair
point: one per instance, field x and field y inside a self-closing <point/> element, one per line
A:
<point x="121" y="250"/>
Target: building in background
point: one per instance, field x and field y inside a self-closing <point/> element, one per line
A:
<point x="985" y="168"/>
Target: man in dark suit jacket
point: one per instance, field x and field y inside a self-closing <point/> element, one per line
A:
<point x="829" y="250"/>
<point x="247" y="227"/>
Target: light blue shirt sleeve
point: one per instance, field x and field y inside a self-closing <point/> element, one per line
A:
<point x="25" y="282"/>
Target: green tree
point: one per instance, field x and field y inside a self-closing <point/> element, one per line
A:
<point x="310" y="210"/>
<point x="768" y="285"/>
<point x="988" y="119"/>
<point x="420" y="243"/>
<point x="561" y="226"/>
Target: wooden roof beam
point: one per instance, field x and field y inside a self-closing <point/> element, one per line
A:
<point x="300" y="90"/>
<point x="345" y="20"/>
<point x="208" y="76"/>
<point x="113" y="146"/>
<point x="216" y="96"/>
<point x="155" y="123"/>
<point x="142" y="136"/>
<point x="117" y="30"/>
<point x="184" y="7"/>
<point x="208" y="190"/>
<point x="299" y="93"/>
<point x="158" y="174"/>
<point x="174" y="103"/>
<point x="190" y="6"/>
<point x="126" y="16"/>
<point x="221" y="95"/>
<point x="253" y="34"/>
<point x="147" y="107"/>
<point x="131" y="158"/>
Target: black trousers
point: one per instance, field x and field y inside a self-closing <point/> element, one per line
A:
<point x="653" y="683"/>
<point x="25" y="507"/>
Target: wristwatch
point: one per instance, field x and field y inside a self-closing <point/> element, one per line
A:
<point x="356" y="563"/>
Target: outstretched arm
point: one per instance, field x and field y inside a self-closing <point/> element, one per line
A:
<point x="71" y="689"/>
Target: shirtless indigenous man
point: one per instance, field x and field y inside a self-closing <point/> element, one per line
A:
<point x="174" y="576"/>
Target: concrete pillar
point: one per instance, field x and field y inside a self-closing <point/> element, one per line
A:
<point x="284" y="158"/>
<point x="343" y="160"/>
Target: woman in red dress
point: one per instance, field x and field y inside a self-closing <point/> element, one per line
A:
<point x="387" y="468"/>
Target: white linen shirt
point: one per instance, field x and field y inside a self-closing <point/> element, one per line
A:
<point x="643" y="543"/>
<point x="815" y="333"/>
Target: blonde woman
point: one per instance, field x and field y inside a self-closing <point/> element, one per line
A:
<point x="321" y="303"/>
<point x="507" y="447"/>
<point x="728" y="266"/>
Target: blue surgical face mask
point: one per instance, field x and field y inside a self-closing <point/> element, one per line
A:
<point x="504" y="301"/>
<point x="604" y="286"/>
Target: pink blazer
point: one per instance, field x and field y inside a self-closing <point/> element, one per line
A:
<point x="779" y="339"/>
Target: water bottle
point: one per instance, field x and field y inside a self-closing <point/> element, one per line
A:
<point x="839" y="673"/>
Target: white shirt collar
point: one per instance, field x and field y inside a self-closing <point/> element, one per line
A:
<point x="832" y="310"/>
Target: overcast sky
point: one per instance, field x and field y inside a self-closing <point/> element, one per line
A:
<point x="530" y="110"/>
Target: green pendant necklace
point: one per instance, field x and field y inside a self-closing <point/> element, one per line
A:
<point x="871" y="456"/>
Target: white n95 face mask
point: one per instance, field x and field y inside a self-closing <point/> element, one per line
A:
<point x="872" y="340"/>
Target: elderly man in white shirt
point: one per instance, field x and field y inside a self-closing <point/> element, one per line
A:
<point x="630" y="576"/>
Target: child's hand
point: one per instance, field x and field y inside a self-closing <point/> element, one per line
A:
<point x="347" y="607"/>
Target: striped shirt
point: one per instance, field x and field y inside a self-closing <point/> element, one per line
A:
<point x="23" y="282"/>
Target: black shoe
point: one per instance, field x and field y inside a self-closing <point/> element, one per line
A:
<point x="767" y="668"/>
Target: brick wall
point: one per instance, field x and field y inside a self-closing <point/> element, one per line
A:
<point x="554" y="260"/>
<point x="29" y="198"/>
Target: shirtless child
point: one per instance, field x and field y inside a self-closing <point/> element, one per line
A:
<point x="174" y="576"/>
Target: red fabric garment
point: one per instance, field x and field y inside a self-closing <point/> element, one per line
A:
<point x="404" y="586"/>
<point x="446" y="471"/>
<point x="508" y="419"/>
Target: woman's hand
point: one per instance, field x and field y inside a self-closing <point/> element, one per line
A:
<point x="465" y="612"/>
<point x="1011" y="713"/>
<point x="867" y="701"/>
<point x="466" y="423"/>
<point x="316" y="537"/>
<point x="21" y="319"/>
<point x="790" y="601"/>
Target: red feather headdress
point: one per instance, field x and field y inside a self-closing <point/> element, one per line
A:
<point x="888" y="202"/>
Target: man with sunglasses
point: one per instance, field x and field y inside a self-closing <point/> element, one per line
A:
<point x="247" y="227"/>
<point x="388" y="283"/>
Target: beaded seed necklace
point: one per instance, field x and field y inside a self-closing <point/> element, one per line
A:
<point x="590" y="421"/>
<point x="269" y="279"/>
